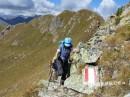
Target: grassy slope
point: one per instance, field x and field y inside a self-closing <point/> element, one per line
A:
<point x="25" y="63"/>
<point x="1" y="27"/>
<point x="116" y="57"/>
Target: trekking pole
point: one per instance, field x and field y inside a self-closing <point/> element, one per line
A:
<point x="50" y="75"/>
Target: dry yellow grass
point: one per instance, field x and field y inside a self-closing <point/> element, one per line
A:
<point x="116" y="57"/>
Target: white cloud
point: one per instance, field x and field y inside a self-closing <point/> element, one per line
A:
<point x="26" y="7"/>
<point x="43" y="6"/>
<point x="16" y="4"/>
<point x="106" y="8"/>
<point x="74" y="4"/>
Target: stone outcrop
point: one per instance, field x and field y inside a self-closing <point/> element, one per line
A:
<point x="54" y="90"/>
<point x="90" y="51"/>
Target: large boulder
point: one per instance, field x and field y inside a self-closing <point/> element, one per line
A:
<point x="86" y="54"/>
<point x="75" y="82"/>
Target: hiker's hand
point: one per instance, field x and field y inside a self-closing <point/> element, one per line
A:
<point x="70" y="60"/>
<point x="76" y="50"/>
<point x="53" y="61"/>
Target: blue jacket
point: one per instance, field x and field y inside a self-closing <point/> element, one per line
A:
<point x="64" y="52"/>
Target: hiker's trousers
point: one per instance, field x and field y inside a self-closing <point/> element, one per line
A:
<point x="66" y="71"/>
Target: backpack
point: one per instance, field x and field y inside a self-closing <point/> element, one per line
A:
<point x="57" y="65"/>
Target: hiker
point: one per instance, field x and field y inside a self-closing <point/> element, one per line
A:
<point x="61" y="64"/>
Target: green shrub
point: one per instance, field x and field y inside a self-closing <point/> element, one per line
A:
<point x="118" y="14"/>
<point x="119" y="11"/>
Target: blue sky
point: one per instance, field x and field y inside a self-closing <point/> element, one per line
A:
<point x="56" y="1"/>
<point x="42" y="7"/>
<point x="110" y="6"/>
<point x="96" y="3"/>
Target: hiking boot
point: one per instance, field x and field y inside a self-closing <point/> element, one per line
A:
<point x="62" y="82"/>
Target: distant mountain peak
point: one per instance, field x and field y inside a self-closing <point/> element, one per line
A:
<point x="13" y="20"/>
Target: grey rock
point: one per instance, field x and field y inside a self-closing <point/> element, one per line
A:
<point x="90" y="55"/>
<point x="56" y="92"/>
<point x="127" y="95"/>
<point x="15" y="43"/>
<point x="75" y="82"/>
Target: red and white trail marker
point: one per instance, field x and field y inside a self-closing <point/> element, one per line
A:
<point x="90" y="75"/>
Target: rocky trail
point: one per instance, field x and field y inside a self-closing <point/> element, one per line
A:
<point x="54" y="90"/>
